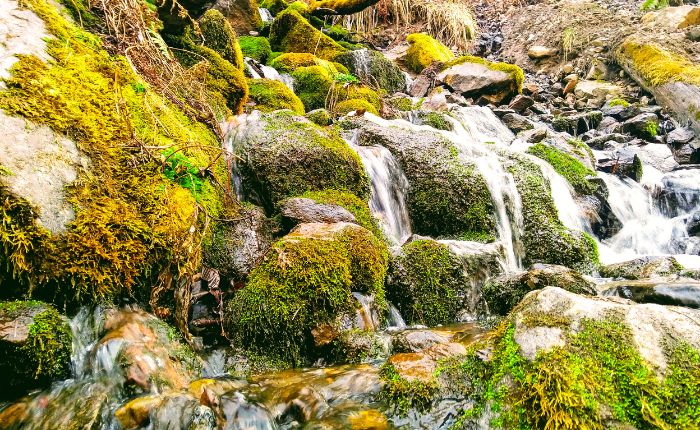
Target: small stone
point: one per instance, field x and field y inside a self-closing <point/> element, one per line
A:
<point x="517" y="122"/>
<point x="536" y="135"/>
<point x="530" y="89"/>
<point x="571" y="86"/>
<point x="644" y="125"/>
<point x="571" y="77"/>
<point x="568" y="68"/>
<point x="419" y="86"/>
<point x="520" y="103"/>
<point x="538" y="52"/>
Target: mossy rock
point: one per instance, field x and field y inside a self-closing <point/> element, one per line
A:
<point x="274" y="6"/>
<point x="285" y="155"/>
<point x="292" y="33"/>
<point x="503" y="293"/>
<point x="305" y="280"/>
<point x="545" y="239"/>
<point x="357" y="105"/>
<point x="355" y="205"/>
<point x="218" y="35"/>
<point x="435" y="120"/>
<point x="257" y="48"/>
<point x="423" y="51"/>
<point x="320" y="117"/>
<point x="339" y="7"/>
<point x="289" y="62"/>
<point x="35" y="346"/>
<point x="575" y="172"/>
<point x="374" y="69"/>
<point x="270" y="95"/>
<point x="430" y="283"/>
<point x="517" y="75"/>
<point x="318" y="88"/>
<point x="447" y="196"/>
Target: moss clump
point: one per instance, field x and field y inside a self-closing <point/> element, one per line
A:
<point x="131" y="221"/>
<point x="292" y="33"/>
<point x="403" y="394"/>
<point x="514" y="71"/>
<point x="567" y="166"/>
<point x="218" y="35"/>
<point x="650" y="130"/>
<point x="598" y="371"/>
<point x="545" y="239"/>
<point x="257" y="48"/>
<point x="425" y="281"/>
<point x="288" y="156"/>
<point x="435" y="120"/>
<point x="318" y="88"/>
<point x="348" y="106"/>
<point x="658" y="66"/>
<point x="274" y="6"/>
<point x="404" y="104"/>
<point x="289" y="62"/>
<point x="355" y="205"/>
<point x="43" y="356"/>
<point x="618" y="102"/>
<point x="270" y="95"/>
<point x="374" y="69"/>
<point x="320" y="117"/>
<point x="424" y="51"/>
<point x="305" y="281"/>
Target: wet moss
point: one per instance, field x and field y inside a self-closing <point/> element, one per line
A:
<point x="287" y="63"/>
<point x="303" y="282"/>
<point x="347" y="106"/>
<point x="270" y="95"/>
<point x="404" y="395"/>
<point x="318" y="88"/>
<point x="257" y="48"/>
<point x="567" y="166"/>
<point x="320" y="117"/>
<point x="292" y="33"/>
<point x="423" y="51"/>
<point x="355" y="205"/>
<point x="435" y="120"/>
<point x="218" y="35"/>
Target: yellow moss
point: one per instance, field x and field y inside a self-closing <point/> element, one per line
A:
<point x="658" y="66"/>
<point x="220" y="36"/>
<point x="289" y="62"/>
<point x="132" y="224"/>
<point x="424" y="51"/>
<point x="270" y="95"/>
<point x="292" y="33"/>
<point x="348" y="106"/>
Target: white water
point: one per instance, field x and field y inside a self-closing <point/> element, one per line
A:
<point x="267" y="72"/>
<point x="265" y="15"/>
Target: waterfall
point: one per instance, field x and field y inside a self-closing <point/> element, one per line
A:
<point x="261" y="71"/>
<point x="234" y="129"/>
<point x="265" y="15"/>
<point x="389" y="188"/>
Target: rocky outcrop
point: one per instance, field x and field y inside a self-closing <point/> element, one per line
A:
<point x="475" y="77"/>
<point x="644" y="267"/>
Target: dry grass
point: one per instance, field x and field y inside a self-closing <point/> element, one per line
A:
<point x="450" y="21"/>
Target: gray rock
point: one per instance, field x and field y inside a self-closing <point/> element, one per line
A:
<point x="417" y="340"/>
<point x="680" y="136"/>
<point x="517" y="122"/>
<point x="535" y="135"/>
<point x="693" y="224"/>
<point x="600" y="141"/>
<point x="609" y="125"/>
<point x="578" y="123"/>
<point x="299" y="210"/>
<point x="520" y="103"/>
<point x="420" y="86"/>
<point x="539" y="52"/>
<point x="624" y="162"/>
<point x="644" y="267"/>
<point x="474" y="80"/>
<point x="662" y="292"/>
<point x="644" y="125"/>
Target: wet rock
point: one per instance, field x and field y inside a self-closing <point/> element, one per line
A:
<point x="600" y="141"/>
<point x="417" y="340"/>
<point x="300" y="210"/>
<point x="520" y="103"/>
<point x="517" y="122"/>
<point x="644" y="125"/>
<point x="373" y="67"/>
<point x="624" y="162"/>
<point x="236" y="247"/>
<point x="680" y="136"/>
<point x="644" y="267"/>
<point x="242" y="14"/>
<point x="136" y="412"/>
<point x="687" y="153"/>
<point x="577" y="123"/>
<point x="693" y="224"/>
<point x="668" y="293"/>
<point x="609" y="125"/>
<point x="504" y="292"/>
<point x="35" y="346"/>
<point x="534" y="135"/>
<point x="538" y="52"/>
<point x="658" y="156"/>
<point x="596" y="208"/>
<point x="421" y="366"/>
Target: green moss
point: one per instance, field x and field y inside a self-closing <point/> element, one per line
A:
<point x="424" y="51"/>
<point x="567" y="166"/>
<point x="545" y="239"/>
<point x="435" y="120"/>
<point x="287" y="63"/>
<point x="403" y="394"/>
<point x="257" y="48"/>
<point x="318" y="88"/>
<point x="305" y="281"/>
<point x="131" y="222"/>
<point x="274" y="6"/>
<point x="270" y="95"/>
<point x="218" y="35"/>
<point x="356" y="206"/>
<point x="337" y="32"/>
<point x="654" y="4"/>
<point x="658" y="66"/>
<point x="292" y="33"/>
<point x="651" y="129"/>
<point x="348" y="106"/>
<point x="374" y="69"/>
<point x="618" y="102"/>
<point x="81" y="12"/>
<point x="320" y="117"/>
<point x="404" y="104"/>
<point x="514" y="71"/>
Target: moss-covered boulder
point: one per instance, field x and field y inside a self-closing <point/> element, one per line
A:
<point x="270" y="95"/>
<point x="644" y="267"/>
<point x="285" y="155"/>
<point x="274" y="6"/>
<point x="290" y="61"/>
<point x="423" y="51"/>
<point x="218" y="35"/>
<point x="319" y="88"/>
<point x="290" y="32"/>
<point x="255" y="47"/>
<point x="374" y="69"/>
<point x="431" y="282"/>
<point x="503" y="293"/>
<point x="355" y="105"/>
<point x="584" y="362"/>
<point x="35" y="346"/>
<point x="545" y="239"/>
<point x="447" y="196"/>
<point x="305" y="281"/>
<point x="320" y="117"/>
<point x="476" y="77"/>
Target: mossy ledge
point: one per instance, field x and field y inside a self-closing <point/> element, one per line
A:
<point x="567" y="166"/>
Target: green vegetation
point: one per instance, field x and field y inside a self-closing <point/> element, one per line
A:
<point x="270" y="95"/>
<point x="257" y="48"/>
<point x="347" y="106"/>
<point x="305" y="281"/>
<point x="287" y="63"/>
<point x="320" y="117"/>
<point x="356" y="206"/>
<point x="404" y="394"/>
<point x="317" y="88"/>
<point x="217" y="34"/>
<point x="567" y="166"/>
<point x="375" y="70"/>
<point x="435" y="120"/>
<point x="424" y="51"/>
<point x="292" y="33"/>
<point x="618" y="102"/>
<point x="654" y="4"/>
<point x="568" y="40"/>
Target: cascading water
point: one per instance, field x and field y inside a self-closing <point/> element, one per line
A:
<point x="265" y="15"/>
<point x="258" y="71"/>
<point x="234" y="129"/>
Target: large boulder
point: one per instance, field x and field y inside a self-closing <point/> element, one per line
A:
<point x="35" y="347"/>
<point x="301" y="210"/>
<point x="476" y="77"/>
<point x="669" y="292"/>
<point x="447" y="195"/>
<point x="291" y="32"/>
<point x="432" y="282"/>
<point x="504" y="292"/>
<point x="423" y="51"/>
<point x="306" y="282"/>
<point x="243" y="15"/>
<point x="284" y="155"/>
